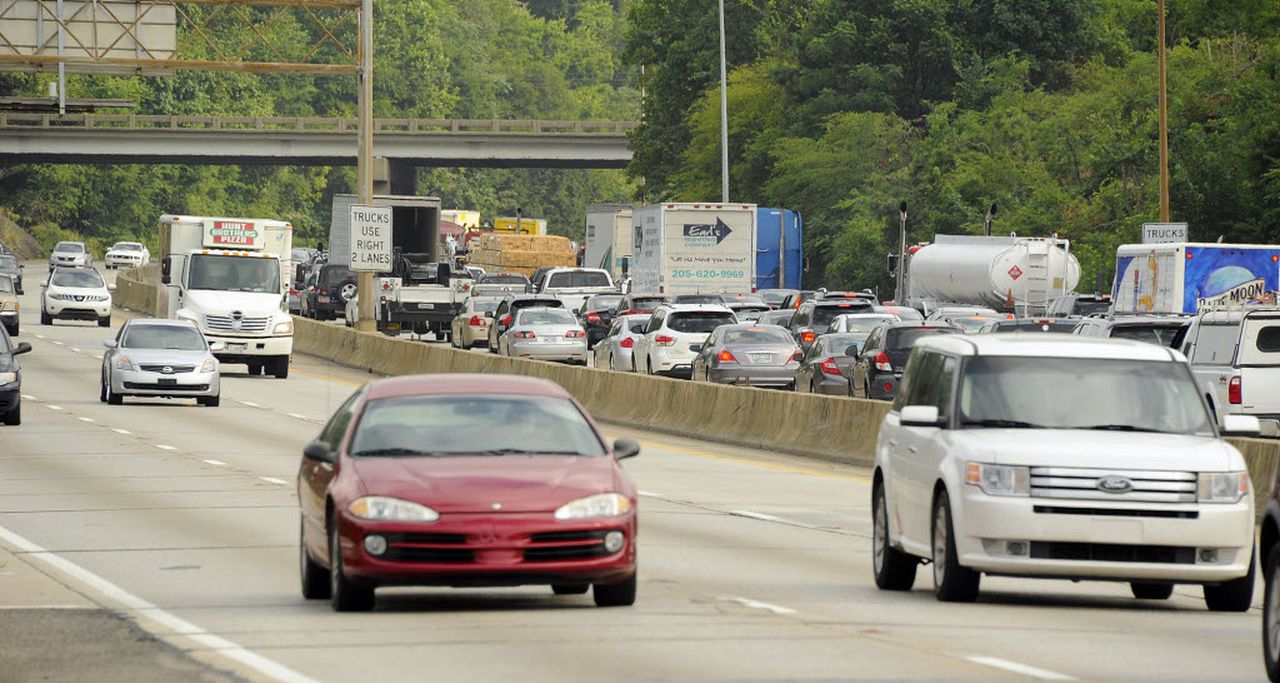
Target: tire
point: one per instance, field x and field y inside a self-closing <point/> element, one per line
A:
<point x="104" y="321"/>
<point x="1151" y="591"/>
<point x="894" y="570"/>
<point x="346" y="596"/>
<point x="1271" y="616"/>
<point x="102" y="390"/>
<point x="255" y="368"/>
<point x="280" y="367"/>
<point x="13" y="418"/>
<point x="113" y="398"/>
<point x="315" y="580"/>
<point x="570" y="588"/>
<point x="1232" y="596"/>
<point x="951" y="582"/>
<point x="615" y="594"/>
<point x="45" y="318"/>
<point x="613" y="363"/>
<point x="209" y="401"/>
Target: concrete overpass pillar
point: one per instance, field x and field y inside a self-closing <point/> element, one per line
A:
<point x="394" y="176"/>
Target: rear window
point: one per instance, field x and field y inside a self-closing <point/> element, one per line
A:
<point x="638" y="327"/>
<point x="1269" y="339"/>
<point x="602" y="303"/>
<point x="1216" y="344"/>
<point x="699" y="299"/>
<point x="1087" y="308"/>
<point x="646" y="303"/>
<point x="1063" y="326"/>
<point x="504" y="279"/>
<point x="903" y="338"/>
<point x="823" y="315"/>
<point x="546" y="316"/>
<point x="699" y="322"/>
<point x="336" y="275"/>
<point x="758" y="335"/>
<point x="1153" y="334"/>
<point x="579" y="278"/>
<point x="531" y="303"/>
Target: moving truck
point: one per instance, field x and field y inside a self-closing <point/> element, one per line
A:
<point x="779" y="260"/>
<point x="608" y="238"/>
<point x="1185" y="277"/>
<point x="692" y="248"/>
<point x="230" y="276"/>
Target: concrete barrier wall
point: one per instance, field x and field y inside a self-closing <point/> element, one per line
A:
<point x="138" y="289"/>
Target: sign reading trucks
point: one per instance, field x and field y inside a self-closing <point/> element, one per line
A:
<point x="231" y="234"/>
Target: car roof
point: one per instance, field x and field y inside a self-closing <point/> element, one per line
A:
<point x="159" y="322"/>
<point x="875" y="316"/>
<point x="462" y="384"/>
<point x="680" y="308"/>
<point x="532" y="297"/>
<point x="1048" y="345"/>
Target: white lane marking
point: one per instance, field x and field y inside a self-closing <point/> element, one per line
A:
<point x="755" y="515"/>
<point x="29" y="397"/>
<point x="300" y="417"/>
<point x="39" y="336"/>
<point x="166" y="447"/>
<point x="75" y="349"/>
<point x="648" y="494"/>
<point x="273" y="480"/>
<point x="756" y="604"/>
<point x="55" y="341"/>
<point x="1006" y="665"/>
<point x="53" y="407"/>
<point x="11" y="607"/>
<point x="118" y="430"/>
<point x="251" y="404"/>
<point x="219" y="463"/>
<point x="86" y="419"/>
<point x="266" y="666"/>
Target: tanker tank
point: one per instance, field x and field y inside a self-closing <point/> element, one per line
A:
<point x="992" y="271"/>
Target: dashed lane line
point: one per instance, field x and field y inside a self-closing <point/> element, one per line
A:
<point x="118" y="430"/>
<point x="756" y="604"/>
<point x="273" y="480"/>
<point x="86" y="419"/>
<point x="1015" y="667"/>
<point x="166" y="447"/>
<point x="755" y="515"/>
<point x="217" y="463"/>
<point x="53" y="407"/>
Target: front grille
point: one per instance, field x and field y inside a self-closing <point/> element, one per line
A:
<point x="1082" y="484"/>
<point x="229" y="324"/>
<point x="1117" y="512"/>
<point x="174" y="369"/>
<point x="427" y="548"/>
<point x="557" y="546"/>
<point x="1112" y="552"/>
<point x="150" y="386"/>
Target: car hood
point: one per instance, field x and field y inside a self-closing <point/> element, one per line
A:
<point x="249" y="303"/>
<point x="457" y="484"/>
<point x="78" y="291"/>
<point x="1098" y="449"/>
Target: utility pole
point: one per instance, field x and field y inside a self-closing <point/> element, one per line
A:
<point x="1164" y="117"/>
<point x="724" y="117"/>
<point x="364" y="163"/>
<point x="899" y="295"/>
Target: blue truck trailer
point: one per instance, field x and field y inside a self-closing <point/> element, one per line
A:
<point x="779" y="261"/>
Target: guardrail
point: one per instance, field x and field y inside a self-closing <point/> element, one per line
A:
<point x="302" y="124"/>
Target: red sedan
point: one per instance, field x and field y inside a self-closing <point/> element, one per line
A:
<point x="465" y="480"/>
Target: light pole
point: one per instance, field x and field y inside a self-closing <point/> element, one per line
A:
<point x="724" y="117"/>
<point x="364" y="163"/>
<point x="1164" y="117"/>
<point x="898" y="294"/>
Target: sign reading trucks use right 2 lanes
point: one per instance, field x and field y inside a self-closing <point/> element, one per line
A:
<point x="694" y="248"/>
<point x="370" y="238"/>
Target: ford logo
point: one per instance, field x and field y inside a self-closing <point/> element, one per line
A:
<point x="1115" y="484"/>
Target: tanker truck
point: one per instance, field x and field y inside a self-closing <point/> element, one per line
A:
<point x="1016" y="274"/>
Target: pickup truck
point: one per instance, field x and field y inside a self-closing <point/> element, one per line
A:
<point x="574" y="286"/>
<point x="1237" y="353"/>
<point x="420" y="295"/>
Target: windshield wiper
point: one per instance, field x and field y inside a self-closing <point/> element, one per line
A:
<point x="1126" y="428"/>
<point x="520" y="451"/>
<point x="997" y="422"/>
<point x="391" y="451"/>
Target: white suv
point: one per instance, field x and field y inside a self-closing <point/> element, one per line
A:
<point x="76" y="294"/>
<point x="675" y="335"/>
<point x="1116" y="473"/>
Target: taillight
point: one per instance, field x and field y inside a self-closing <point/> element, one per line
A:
<point x="808" y="336"/>
<point x="593" y="318"/>
<point x="627" y="343"/>
<point x="524" y="335"/>
<point x="795" y="357"/>
<point x="664" y="340"/>
<point x="575" y="334"/>
<point x="477" y="321"/>
<point x="324" y="290"/>
<point x="829" y="367"/>
<point x="1235" y="391"/>
<point x="882" y="362"/>
<point x="726" y="356"/>
<point x="506" y="320"/>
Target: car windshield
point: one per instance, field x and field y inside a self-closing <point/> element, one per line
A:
<point x="823" y="315"/>
<point x="335" y="274"/>
<point x="5" y="346"/>
<point x="234" y="273"/>
<point x="775" y="298"/>
<point x="175" y="337"/>
<point x="8" y="264"/>
<point x="127" y="246"/>
<point x="578" y="278"/>
<point x="867" y="324"/>
<point x="758" y="335"/>
<point x="970" y="323"/>
<point x="77" y="278"/>
<point x="840" y="344"/>
<point x="69" y="248"/>
<point x="700" y="322"/>
<point x="474" y="425"/>
<point x="603" y="303"/>
<point x="6" y="284"/>
<point x="1115" y="395"/>
<point x="546" y="316"/>
<point x="504" y="279"/>
<point x="1154" y="333"/>
<point x="903" y="338"/>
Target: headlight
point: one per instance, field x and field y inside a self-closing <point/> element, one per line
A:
<point x="1222" y="487"/>
<point x="210" y="365"/>
<point x="285" y="327"/>
<point x="8" y="377"/>
<point x="999" y="480"/>
<point x="124" y="363"/>
<point x="391" y="509"/>
<point x="599" y="505"/>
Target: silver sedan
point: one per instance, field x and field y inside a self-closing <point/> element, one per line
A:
<point x="162" y="359"/>
<point x="545" y="334"/>
<point x="614" y="351"/>
<point x="752" y="355"/>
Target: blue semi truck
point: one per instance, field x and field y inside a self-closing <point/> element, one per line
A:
<point x="779" y="261"/>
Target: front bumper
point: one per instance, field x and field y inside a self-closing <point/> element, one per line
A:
<point x="239" y="348"/>
<point x="487" y="550"/>
<point x="142" y="383"/>
<point x="565" y="350"/>
<point x="122" y="262"/>
<point x="1069" y="539"/>
<point x="77" y="310"/>
<point x="753" y="375"/>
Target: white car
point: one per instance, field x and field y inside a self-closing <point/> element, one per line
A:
<point x="70" y="254"/>
<point x="1059" y="456"/>
<point x="674" y="336"/>
<point x="76" y="294"/>
<point x="127" y="255"/>
<point x="860" y="323"/>
<point x="614" y="351"/>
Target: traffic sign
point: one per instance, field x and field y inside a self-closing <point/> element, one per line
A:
<point x="1163" y="233"/>
<point x="370" y="238"/>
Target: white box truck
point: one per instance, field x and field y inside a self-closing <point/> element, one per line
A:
<point x="608" y="238"/>
<point x="1185" y="277"/>
<point x="691" y="248"/>
<point x="230" y="276"/>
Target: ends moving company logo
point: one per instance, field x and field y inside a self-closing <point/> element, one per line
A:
<point x="705" y="234"/>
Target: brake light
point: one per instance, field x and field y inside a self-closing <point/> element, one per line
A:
<point x="882" y="362"/>
<point x="593" y="318"/>
<point x="324" y="290"/>
<point x="477" y="321"/>
<point x="829" y="367"/>
<point x="506" y="320"/>
<point x="627" y="343"/>
<point x="1235" y="391"/>
<point x="574" y="334"/>
<point x="726" y="356"/>
<point x="808" y="336"/>
<point x="525" y="335"/>
<point x="795" y="357"/>
<point x="664" y="340"/>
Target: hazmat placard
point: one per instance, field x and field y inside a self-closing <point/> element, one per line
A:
<point x="370" y="238"/>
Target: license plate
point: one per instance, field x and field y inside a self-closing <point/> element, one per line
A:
<point x="235" y="347"/>
<point x="761" y="358"/>
<point x="426" y="307"/>
<point x="167" y="381"/>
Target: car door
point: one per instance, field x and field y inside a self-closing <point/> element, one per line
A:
<point x="640" y="352"/>
<point x="1258" y="364"/>
<point x="498" y="313"/>
<point x="858" y="375"/>
<point x="315" y="477"/>
<point x="912" y="481"/>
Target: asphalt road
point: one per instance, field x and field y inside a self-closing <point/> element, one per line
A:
<point x="754" y="566"/>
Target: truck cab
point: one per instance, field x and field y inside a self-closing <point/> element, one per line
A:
<point x="230" y="277"/>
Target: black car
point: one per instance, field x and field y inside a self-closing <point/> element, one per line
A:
<point x="1078" y="305"/>
<point x="596" y="315"/>
<point x="11" y="379"/>
<point x="639" y="303"/>
<point x="884" y="355"/>
<point x="825" y="367"/>
<point x="329" y="288"/>
<point x="9" y="266"/>
<point x="813" y="318"/>
<point x="1059" y="325"/>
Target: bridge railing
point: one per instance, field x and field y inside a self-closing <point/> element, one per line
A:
<point x="303" y="124"/>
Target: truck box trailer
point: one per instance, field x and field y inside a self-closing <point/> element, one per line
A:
<point x="1185" y="277"/>
<point x="689" y="248"/>
<point x="779" y="259"/>
<point x="608" y="238"/>
<point x="1026" y="272"/>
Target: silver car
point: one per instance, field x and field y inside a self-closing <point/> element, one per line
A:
<point x="70" y="254"/>
<point x="545" y="333"/>
<point x="753" y="355"/>
<point x="160" y="358"/>
<point x="614" y="351"/>
<point x="860" y="323"/>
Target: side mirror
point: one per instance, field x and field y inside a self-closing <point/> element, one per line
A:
<point x="1241" y="425"/>
<point x="216" y="346"/>
<point x="111" y="287"/>
<point x="110" y="343"/>
<point x="920" y="416"/>
<point x="318" y="451"/>
<point x="165" y="267"/>
<point x="24" y="347"/>
<point x="852" y="351"/>
<point x="625" y="448"/>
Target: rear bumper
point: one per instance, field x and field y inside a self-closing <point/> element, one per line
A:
<point x="831" y="386"/>
<point x="756" y="376"/>
<point x="567" y="351"/>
